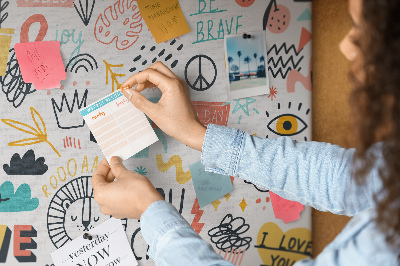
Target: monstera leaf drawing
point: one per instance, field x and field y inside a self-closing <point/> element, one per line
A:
<point x="39" y="132"/>
<point x="107" y="27"/>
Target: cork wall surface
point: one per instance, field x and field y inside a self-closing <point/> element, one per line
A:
<point x="331" y="89"/>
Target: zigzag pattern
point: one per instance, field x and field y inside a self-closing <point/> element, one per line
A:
<point x="284" y="64"/>
<point x="195" y="223"/>
<point x="182" y="177"/>
<point x="283" y="74"/>
<point x="286" y="49"/>
<point x="279" y="66"/>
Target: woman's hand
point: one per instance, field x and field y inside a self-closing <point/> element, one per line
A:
<point x="128" y="197"/>
<point x="174" y="113"/>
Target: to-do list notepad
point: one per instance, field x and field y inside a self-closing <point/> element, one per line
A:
<point x="119" y="127"/>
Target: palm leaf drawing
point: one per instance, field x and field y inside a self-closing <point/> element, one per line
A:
<point x="39" y="132"/>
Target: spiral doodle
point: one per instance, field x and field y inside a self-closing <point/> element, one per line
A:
<point x="227" y="234"/>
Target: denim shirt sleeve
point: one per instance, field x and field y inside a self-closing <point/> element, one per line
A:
<point x="172" y="240"/>
<point x="312" y="173"/>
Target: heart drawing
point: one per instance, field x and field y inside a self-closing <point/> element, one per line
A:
<point x="283" y="249"/>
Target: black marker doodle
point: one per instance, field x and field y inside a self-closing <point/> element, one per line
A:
<point x="83" y="14"/>
<point x="156" y="57"/>
<point x="256" y="187"/>
<point x="13" y="84"/>
<point x="73" y="211"/>
<point x="81" y="59"/>
<point x="63" y="119"/>
<point x="227" y="234"/>
<point x="2" y="8"/>
<point x="161" y="191"/>
<point x="200" y="83"/>
<point x="288" y="124"/>
<point x="27" y="165"/>
<point x="281" y="67"/>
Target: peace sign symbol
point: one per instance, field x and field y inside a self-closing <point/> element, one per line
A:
<point x="204" y="63"/>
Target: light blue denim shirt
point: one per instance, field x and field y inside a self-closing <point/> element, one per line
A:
<point x="312" y="173"/>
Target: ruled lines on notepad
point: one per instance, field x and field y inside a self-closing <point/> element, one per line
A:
<point x="119" y="129"/>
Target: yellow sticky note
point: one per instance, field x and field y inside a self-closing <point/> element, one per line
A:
<point x="164" y="18"/>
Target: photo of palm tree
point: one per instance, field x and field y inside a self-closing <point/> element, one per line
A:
<point x="242" y="57"/>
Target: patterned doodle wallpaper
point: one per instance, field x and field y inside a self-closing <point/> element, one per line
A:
<point x="48" y="153"/>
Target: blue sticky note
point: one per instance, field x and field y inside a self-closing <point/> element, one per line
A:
<point x="209" y="186"/>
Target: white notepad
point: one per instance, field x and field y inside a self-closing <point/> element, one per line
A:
<point x="119" y="127"/>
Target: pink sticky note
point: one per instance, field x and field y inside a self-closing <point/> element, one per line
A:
<point x="288" y="211"/>
<point x="41" y="64"/>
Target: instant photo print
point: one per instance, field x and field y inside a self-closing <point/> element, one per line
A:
<point x="246" y="59"/>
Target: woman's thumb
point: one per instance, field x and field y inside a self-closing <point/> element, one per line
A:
<point x="138" y="100"/>
<point x="117" y="167"/>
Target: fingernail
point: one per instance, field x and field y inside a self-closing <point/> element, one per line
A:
<point x="129" y="93"/>
<point x="115" y="160"/>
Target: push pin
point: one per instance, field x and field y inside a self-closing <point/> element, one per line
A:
<point x="87" y="236"/>
<point x="246" y="36"/>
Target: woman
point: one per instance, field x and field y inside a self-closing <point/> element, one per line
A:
<point x="362" y="182"/>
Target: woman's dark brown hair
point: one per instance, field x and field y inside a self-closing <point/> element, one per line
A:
<point x="376" y="107"/>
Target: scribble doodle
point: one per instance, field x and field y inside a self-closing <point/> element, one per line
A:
<point x="106" y="31"/>
<point x="86" y="62"/>
<point x="181" y="176"/>
<point x="193" y="72"/>
<point x="3" y="6"/>
<point x="84" y="14"/>
<point x="114" y="76"/>
<point x="27" y="165"/>
<point x="276" y="18"/>
<point x="68" y="143"/>
<point x="39" y="132"/>
<point x="63" y="118"/>
<point x="295" y="76"/>
<point x="144" y="62"/>
<point x="19" y="201"/>
<point x="13" y="84"/>
<point x="196" y="225"/>
<point x="227" y="235"/>
<point x="73" y="210"/>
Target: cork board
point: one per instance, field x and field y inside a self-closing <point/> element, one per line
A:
<point x="331" y="88"/>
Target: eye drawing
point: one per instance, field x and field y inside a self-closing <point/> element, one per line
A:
<point x="74" y="219"/>
<point x="96" y="220"/>
<point x="287" y="125"/>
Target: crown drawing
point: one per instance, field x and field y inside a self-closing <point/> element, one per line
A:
<point x="72" y="118"/>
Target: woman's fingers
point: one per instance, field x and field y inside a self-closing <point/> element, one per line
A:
<point x="160" y="67"/>
<point x="100" y="174"/>
<point x="153" y="76"/>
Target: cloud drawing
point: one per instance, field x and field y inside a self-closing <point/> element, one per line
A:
<point x="18" y="202"/>
<point x="26" y="166"/>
